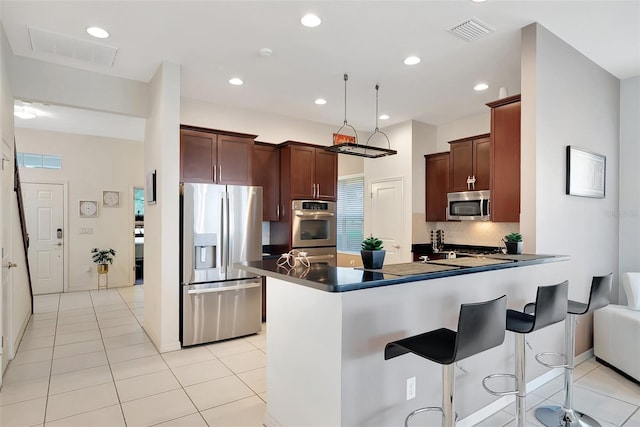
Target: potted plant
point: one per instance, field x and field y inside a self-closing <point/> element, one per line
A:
<point x="103" y="257"/>
<point x="513" y="242"/>
<point x="372" y="253"/>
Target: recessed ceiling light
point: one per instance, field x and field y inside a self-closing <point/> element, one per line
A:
<point x="478" y="1"/>
<point x="481" y="86"/>
<point x="310" y="20"/>
<point x="98" y="32"/>
<point x="236" y="81"/>
<point x="383" y="117"/>
<point x="23" y="113"/>
<point x="265" y="51"/>
<point x="411" y="60"/>
<point x="320" y="101"/>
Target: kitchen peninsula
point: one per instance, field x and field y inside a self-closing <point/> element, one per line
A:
<point x="328" y="327"/>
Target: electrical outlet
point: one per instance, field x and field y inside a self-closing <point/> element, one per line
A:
<point x="411" y="388"/>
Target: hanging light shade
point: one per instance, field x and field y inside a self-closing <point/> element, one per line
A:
<point x="347" y="144"/>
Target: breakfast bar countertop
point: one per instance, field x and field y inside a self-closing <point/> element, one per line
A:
<point x="343" y="279"/>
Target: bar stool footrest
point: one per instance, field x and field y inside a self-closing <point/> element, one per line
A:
<point x="428" y="408"/>
<point x="539" y="356"/>
<point x="500" y="393"/>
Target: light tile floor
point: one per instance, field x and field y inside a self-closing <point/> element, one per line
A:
<point x="85" y="361"/>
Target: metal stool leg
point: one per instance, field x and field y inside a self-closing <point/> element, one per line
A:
<point x="448" y="404"/>
<point x="566" y="416"/>
<point x="521" y="396"/>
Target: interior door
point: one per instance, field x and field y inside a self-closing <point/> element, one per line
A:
<point x="45" y="217"/>
<point x="387" y="220"/>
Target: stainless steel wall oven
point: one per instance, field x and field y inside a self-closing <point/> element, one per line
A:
<point x="313" y="223"/>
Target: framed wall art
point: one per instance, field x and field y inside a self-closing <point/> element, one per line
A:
<point x="586" y="173"/>
<point x="151" y="188"/>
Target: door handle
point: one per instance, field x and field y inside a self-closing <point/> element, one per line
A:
<point x="58" y="244"/>
<point x="223" y="289"/>
<point x="396" y="246"/>
<point x="10" y="265"/>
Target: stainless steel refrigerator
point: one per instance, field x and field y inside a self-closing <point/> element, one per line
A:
<point x="220" y="225"/>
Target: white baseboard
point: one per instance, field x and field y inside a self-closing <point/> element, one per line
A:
<point x="505" y="401"/>
<point x="269" y="421"/>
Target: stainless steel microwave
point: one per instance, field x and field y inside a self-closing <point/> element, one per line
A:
<point x="469" y="206"/>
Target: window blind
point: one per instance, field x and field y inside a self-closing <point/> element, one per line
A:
<point x="350" y="218"/>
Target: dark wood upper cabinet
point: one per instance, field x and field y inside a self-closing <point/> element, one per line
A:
<point x="326" y="174"/>
<point x="197" y="156"/>
<point x="436" y="186"/>
<point x="265" y="166"/>
<point x="216" y="157"/>
<point x="470" y="158"/>
<point x="307" y="172"/>
<point x="505" y="159"/>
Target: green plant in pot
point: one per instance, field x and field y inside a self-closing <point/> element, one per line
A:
<point x="513" y="242"/>
<point x="372" y="253"/>
<point x="103" y="257"/>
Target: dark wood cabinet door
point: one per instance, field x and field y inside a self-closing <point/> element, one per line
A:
<point x="482" y="163"/>
<point x="265" y="166"/>
<point x="326" y="175"/>
<point x="505" y="158"/>
<point x="302" y="171"/>
<point x="436" y="186"/>
<point x="234" y="160"/>
<point x="460" y="165"/>
<point x="197" y="156"/>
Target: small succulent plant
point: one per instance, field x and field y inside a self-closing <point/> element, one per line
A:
<point x="513" y="237"/>
<point x="371" y="244"/>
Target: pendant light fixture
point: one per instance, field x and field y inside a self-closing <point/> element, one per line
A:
<point x="352" y="147"/>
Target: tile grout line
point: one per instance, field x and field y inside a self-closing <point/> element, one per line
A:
<point x="107" y="356"/>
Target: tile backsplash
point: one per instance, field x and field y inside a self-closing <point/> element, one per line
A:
<point x="478" y="233"/>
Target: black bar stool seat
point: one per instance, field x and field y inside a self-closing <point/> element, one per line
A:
<point x="550" y="308"/>
<point x="566" y="416"/>
<point x="481" y="326"/>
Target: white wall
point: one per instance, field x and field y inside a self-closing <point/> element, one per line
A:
<point x="629" y="213"/>
<point x="462" y="128"/>
<point x="91" y="165"/>
<point x="56" y="84"/>
<point x="575" y="103"/>
<point x="161" y="153"/>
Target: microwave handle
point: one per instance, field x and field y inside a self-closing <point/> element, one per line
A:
<point x="446" y="213"/>
<point x="488" y="207"/>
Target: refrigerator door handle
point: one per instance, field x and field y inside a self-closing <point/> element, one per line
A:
<point x="227" y="231"/>
<point x="223" y="289"/>
<point x="223" y="235"/>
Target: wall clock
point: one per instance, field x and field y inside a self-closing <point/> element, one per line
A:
<point x="111" y="199"/>
<point x="88" y="208"/>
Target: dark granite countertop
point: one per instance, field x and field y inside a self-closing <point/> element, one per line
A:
<point x="343" y="279"/>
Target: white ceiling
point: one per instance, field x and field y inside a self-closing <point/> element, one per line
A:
<point x="216" y="40"/>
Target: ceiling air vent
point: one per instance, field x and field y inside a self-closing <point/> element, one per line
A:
<point x="43" y="41"/>
<point x="472" y="29"/>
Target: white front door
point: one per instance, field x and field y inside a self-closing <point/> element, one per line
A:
<point x="6" y="190"/>
<point x="45" y="218"/>
<point x="387" y="220"/>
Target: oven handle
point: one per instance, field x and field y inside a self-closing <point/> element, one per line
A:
<point x="315" y="257"/>
<point x="223" y="289"/>
<point x="314" y="215"/>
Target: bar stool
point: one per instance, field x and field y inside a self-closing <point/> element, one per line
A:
<point x="480" y="327"/>
<point x="561" y="416"/>
<point x="550" y="308"/>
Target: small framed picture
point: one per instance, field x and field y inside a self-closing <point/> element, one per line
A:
<point x="586" y="173"/>
<point x="111" y="199"/>
<point x="88" y="208"/>
<point x="151" y="188"/>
